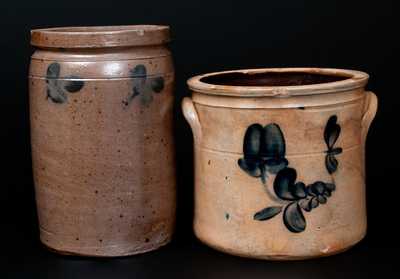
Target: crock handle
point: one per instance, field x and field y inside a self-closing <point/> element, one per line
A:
<point x="370" y="107"/>
<point x="190" y="113"/>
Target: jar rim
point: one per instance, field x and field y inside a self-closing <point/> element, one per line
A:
<point x="100" y="36"/>
<point x="346" y="80"/>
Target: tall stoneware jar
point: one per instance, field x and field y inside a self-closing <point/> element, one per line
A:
<point x="279" y="160"/>
<point x="102" y="138"/>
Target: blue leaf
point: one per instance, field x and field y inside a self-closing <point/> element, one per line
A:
<point x="293" y="218"/>
<point x="267" y="213"/>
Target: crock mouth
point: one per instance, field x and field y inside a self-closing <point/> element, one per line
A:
<point x="100" y="36"/>
<point x="278" y="82"/>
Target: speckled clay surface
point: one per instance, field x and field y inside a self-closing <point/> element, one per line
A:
<point x="102" y="145"/>
<point x="279" y="160"/>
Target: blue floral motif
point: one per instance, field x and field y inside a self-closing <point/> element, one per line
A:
<point x="264" y="152"/>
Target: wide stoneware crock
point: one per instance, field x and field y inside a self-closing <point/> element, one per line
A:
<point x="279" y="160"/>
<point x="101" y="130"/>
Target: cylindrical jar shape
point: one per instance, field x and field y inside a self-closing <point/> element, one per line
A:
<point x="102" y="138"/>
<point x="279" y="160"/>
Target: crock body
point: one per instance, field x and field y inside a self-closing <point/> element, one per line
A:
<point x="102" y="145"/>
<point x="280" y="177"/>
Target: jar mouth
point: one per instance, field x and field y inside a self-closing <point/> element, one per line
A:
<point x="278" y="82"/>
<point x="100" y="36"/>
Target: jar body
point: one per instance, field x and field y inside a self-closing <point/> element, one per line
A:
<point x="300" y="203"/>
<point x="102" y="149"/>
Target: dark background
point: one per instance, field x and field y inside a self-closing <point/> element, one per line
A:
<point x="210" y="36"/>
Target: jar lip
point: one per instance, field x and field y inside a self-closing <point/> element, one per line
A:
<point x="100" y="36"/>
<point x="351" y="79"/>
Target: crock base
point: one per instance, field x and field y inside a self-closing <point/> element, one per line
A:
<point x="278" y="257"/>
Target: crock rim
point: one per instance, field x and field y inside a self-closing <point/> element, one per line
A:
<point x="356" y="79"/>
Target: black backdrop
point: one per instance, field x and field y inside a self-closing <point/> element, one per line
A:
<point x="209" y="36"/>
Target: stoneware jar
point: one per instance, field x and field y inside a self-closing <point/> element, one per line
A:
<point x="279" y="160"/>
<point x="102" y="138"/>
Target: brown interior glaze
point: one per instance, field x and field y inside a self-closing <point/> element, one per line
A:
<point x="270" y="79"/>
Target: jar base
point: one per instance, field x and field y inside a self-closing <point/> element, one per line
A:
<point x="149" y="248"/>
